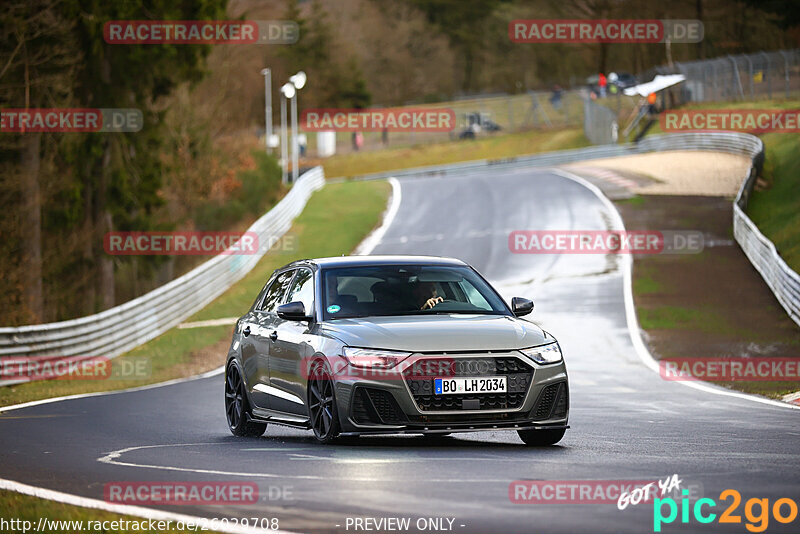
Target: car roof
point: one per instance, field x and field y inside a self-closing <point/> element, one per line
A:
<point x="356" y="261"/>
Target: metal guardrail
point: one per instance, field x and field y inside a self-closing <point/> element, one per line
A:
<point x="512" y="112"/>
<point x="716" y="141"/>
<point x="781" y="279"/>
<point x="124" y="327"/>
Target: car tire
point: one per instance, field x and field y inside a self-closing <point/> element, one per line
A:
<point x="322" y="407"/>
<point x="541" y="438"/>
<point x="237" y="407"/>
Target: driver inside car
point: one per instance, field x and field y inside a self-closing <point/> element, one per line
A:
<point x="426" y="295"/>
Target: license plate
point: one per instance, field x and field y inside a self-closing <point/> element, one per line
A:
<point x="461" y="385"/>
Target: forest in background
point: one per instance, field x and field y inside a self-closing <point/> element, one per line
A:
<point x="196" y="163"/>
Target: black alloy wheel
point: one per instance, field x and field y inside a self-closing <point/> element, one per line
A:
<point x="322" y="404"/>
<point x="236" y="406"/>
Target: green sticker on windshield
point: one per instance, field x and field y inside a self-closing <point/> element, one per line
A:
<point x="334" y="308"/>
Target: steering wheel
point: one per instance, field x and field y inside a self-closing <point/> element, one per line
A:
<point x="436" y="303"/>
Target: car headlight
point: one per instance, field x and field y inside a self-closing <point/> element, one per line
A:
<point x="373" y="358"/>
<point x="544" y="354"/>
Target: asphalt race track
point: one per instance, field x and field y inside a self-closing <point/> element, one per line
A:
<point x="627" y="423"/>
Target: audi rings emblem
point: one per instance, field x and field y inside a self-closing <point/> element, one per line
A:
<point x="473" y="367"/>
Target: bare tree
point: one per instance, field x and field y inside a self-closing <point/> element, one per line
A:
<point x="36" y="68"/>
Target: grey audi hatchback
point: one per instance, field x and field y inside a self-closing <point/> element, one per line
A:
<point x="392" y="344"/>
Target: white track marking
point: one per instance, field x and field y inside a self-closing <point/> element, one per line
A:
<point x="630" y="310"/>
<point x="609" y="176"/>
<point x="113" y="458"/>
<point x="366" y="247"/>
<point x="792" y="397"/>
<point x="125" y="509"/>
<point x="207" y="374"/>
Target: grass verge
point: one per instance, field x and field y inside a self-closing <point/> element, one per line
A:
<point x="702" y="305"/>
<point x="774" y="208"/>
<point x="489" y="147"/>
<point x="334" y="221"/>
<point x="24" y="508"/>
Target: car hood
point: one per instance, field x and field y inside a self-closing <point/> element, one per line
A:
<point x="438" y="333"/>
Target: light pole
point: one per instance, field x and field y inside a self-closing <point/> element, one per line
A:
<point x="298" y="81"/>
<point x="294" y="139"/>
<point x="268" y="107"/>
<point x="287" y="91"/>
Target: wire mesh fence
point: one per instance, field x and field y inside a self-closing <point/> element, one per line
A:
<point x="478" y="117"/>
<point x="600" y="123"/>
<point x="751" y="77"/>
<point x="762" y="75"/>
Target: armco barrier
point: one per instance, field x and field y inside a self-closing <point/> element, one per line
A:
<point x="124" y="327"/>
<point x="782" y="280"/>
<point x="731" y="142"/>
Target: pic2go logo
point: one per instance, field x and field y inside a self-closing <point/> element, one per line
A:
<point x="758" y="521"/>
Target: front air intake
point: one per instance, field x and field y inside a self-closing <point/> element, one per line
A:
<point x="552" y="402"/>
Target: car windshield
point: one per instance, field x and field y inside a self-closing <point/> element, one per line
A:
<point x="407" y="290"/>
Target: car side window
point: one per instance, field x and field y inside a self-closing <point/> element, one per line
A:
<point x="276" y="291"/>
<point x="260" y="298"/>
<point x="303" y="290"/>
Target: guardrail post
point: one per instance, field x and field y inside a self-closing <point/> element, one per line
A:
<point x="682" y="70"/>
<point x="786" y="70"/>
<point x="736" y="75"/>
<point x="750" y="70"/>
<point x="716" y="86"/>
<point x="768" y="74"/>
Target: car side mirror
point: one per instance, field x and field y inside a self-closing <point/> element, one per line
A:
<point x="520" y="306"/>
<point x="293" y="311"/>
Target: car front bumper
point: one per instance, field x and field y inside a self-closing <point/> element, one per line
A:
<point x="537" y="397"/>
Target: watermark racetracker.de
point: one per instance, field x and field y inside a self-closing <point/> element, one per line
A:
<point x="379" y="119"/>
<point x="181" y="493"/>
<point x="180" y="243"/>
<point x="730" y="369"/>
<point x="30" y="368"/>
<point x="619" y="492"/>
<point x="80" y="120"/>
<point x="741" y="120"/>
<point x="366" y="367"/>
<point x="200" y="32"/>
<point x="605" y="242"/>
<point x="605" y="31"/>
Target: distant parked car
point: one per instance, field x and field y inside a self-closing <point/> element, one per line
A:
<point x="477" y="122"/>
<point x="623" y="79"/>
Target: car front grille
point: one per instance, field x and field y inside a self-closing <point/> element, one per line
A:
<point x="519" y="377"/>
